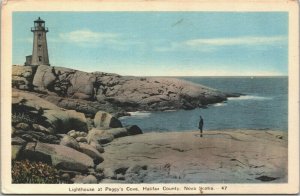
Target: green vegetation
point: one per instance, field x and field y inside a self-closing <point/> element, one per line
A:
<point x="22" y="118"/>
<point x="34" y="173"/>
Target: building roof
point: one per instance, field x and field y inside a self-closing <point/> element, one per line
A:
<point x="39" y="20"/>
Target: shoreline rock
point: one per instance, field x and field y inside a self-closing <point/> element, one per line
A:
<point x="221" y="156"/>
<point x="62" y="157"/>
<point x="92" y="92"/>
<point x="69" y="119"/>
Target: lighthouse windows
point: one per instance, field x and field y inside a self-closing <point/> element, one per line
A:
<point x="39" y="36"/>
<point x="40" y="58"/>
<point x="39" y="46"/>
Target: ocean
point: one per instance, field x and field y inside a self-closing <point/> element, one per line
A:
<point x="264" y="106"/>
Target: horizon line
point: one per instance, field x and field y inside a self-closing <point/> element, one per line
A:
<point x="213" y="76"/>
<point x="90" y="71"/>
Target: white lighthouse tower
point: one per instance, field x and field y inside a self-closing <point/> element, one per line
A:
<point x="39" y="51"/>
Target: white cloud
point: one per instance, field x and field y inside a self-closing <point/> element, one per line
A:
<point x="87" y="36"/>
<point x="212" y="44"/>
<point x="237" y="41"/>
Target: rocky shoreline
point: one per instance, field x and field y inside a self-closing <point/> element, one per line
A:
<point x="66" y="142"/>
<point x="101" y="150"/>
<point x="65" y="129"/>
<point x="90" y="92"/>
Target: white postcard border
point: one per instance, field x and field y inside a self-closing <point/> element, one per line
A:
<point x="8" y="7"/>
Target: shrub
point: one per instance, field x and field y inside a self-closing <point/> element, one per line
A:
<point x="34" y="173"/>
<point x="22" y="117"/>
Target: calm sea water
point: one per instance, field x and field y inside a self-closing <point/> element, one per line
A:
<point x="265" y="106"/>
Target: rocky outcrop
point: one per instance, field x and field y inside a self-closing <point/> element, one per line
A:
<point x="58" y="155"/>
<point x="44" y="132"/>
<point x="50" y="117"/>
<point x="220" y="156"/>
<point x="92" y="152"/>
<point x="64" y="82"/>
<point x="91" y="92"/>
<point x="105" y="120"/>
<point x="68" y="118"/>
<point x="133" y="130"/>
<point x="27" y="101"/>
<point x="105" y="136"/>
<point x="118" y="132"/>
<point x="70" y="142"/>
<point x="63" y="121"/>
<point x="22" y="77"/>
<point x="99" y="136"/>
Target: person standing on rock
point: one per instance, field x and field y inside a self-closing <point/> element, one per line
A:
<point x="201" y="125"/>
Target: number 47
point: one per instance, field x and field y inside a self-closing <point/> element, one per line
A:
<point x="224" y="187"/>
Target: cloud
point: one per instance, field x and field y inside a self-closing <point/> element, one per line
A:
<point x="237" y="41"/>
<point x="212" y="44"/>
<point x="87" y="36"/>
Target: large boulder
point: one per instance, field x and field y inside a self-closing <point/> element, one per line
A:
<point x="82" y="85"/>
<point x="81" y="139"/>
<point x="99" y="136"/>
<point x="33" y="136"/>
<point x="17" y="141"/>
<point x="97" y="146"/>
<point x="29" y="109"/>
<point x="60" y="156"/>
<point x="29" y="102"/>
<point x="40" y="128"/>
<point x="92" y="152"/>
<point x="105" y="120"/>
<point x="22" y="77"/>
<point x="70" y="142"/>
<point x="64" y="81"/>
<point x="136" y="93"/>
<point x="117" y="132"/>
<point x="44" y="77"/>
<point x="133" y="130"/>
<point x="64" y="121"/>
<point x="22" y="126"/>
<point x="46" y="114"/>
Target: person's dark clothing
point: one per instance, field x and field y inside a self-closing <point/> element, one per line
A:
<point x="201" y="126"/>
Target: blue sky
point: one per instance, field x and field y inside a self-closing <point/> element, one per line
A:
<point x="161" y="43"/>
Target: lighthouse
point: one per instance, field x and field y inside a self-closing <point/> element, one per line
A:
<point x="39" y="51"/>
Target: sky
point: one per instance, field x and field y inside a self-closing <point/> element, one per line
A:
<point x="161" y="43"/>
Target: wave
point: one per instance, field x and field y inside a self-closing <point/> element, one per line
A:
<point x="219" y="104"/>
<point x="249" y="97"/>
<point x="140" y="114"/>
